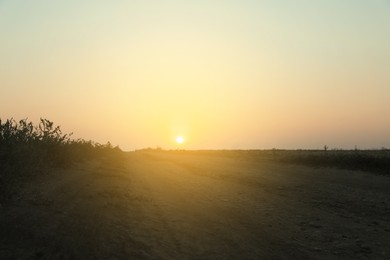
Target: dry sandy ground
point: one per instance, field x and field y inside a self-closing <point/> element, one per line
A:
<point x="159" y="205"/>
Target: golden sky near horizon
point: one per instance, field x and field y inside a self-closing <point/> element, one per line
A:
<point x="222" y="74"/>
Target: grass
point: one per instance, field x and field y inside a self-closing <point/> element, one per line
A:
<point x="374" y="161"/>
<point x="27" y="149"/>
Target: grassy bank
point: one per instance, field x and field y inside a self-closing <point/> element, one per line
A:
<point x="27" y="149"/>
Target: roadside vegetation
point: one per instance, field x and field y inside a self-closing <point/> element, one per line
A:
<point x="374" y="161"/>
<point x="27" y="149"/>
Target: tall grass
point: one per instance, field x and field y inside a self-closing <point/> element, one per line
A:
<point x="27" y="149"/>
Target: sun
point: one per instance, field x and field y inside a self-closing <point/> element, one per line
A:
<point x="180" y="139"/>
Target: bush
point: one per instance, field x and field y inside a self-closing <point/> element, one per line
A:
<point x="26" y="149"/>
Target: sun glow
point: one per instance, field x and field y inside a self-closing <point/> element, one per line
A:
<point x="180" y="139"/>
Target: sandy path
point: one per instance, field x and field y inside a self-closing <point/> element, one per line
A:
<point x="197" y="206"/>
<point x="198" y="212"/>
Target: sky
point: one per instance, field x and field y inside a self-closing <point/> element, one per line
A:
<point x="234" y="74"/>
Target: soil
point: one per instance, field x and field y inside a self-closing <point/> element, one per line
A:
<point x="178" y="205"/>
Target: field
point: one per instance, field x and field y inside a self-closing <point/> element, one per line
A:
<point x="153" y="204"/>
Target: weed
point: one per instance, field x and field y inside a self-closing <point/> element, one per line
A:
<point x="27" y="149"/>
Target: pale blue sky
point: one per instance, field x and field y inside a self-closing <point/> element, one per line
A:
<point x="225" y="74"/>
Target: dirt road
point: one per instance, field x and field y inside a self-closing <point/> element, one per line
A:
<point x="189" y="205"/>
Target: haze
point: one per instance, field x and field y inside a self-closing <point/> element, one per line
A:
<point x="222" y="74"/>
